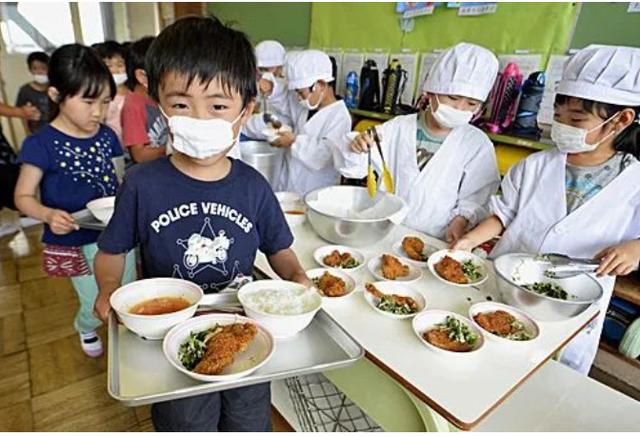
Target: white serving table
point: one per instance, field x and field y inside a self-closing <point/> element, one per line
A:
<point x="464" y="389"/>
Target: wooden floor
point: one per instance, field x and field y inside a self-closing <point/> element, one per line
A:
<point x="46" y="381"/>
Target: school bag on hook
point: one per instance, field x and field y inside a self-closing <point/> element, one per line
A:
<point x="369" y="87"/>
<point x="504" y="99"/>
<point x="526" y="121"/>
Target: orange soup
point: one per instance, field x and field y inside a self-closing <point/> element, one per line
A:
<point x="295" y="212"/>
<point x="159" y="306"/>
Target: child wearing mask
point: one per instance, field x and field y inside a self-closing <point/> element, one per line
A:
<point x="202" y="74"/>
<point x="34" y="93"/>
<point x="113" y="55"/>
<point x="320" y="121"/>
<point x="581" y="199"/>
<point x="443" y="167"/>
<point x="65" y="165"/>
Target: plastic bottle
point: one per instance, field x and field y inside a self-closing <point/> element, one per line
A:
<point x="351" y="94"/>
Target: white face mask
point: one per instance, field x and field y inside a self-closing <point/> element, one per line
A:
<point x="119" y="78"/>
<point x="268" y="75"/>
<point x="200" y="138"/>
<point x="307" y="105"/>
<point x="571" y="139"/>
<point x="450" y="117"/>
<point x="42" y="79"/>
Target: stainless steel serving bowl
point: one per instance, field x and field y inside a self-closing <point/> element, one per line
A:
<point x="264" y="158"/>
<point x="346" y="215"/>
<point x="585" y="288"/>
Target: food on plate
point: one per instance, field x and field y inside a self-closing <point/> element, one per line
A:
<point x="160" y="306"/>
<point x="211" y="351"/>
<point x="294" y="212"/>
<point x="330" y="285"/>
<point x="549" y="289"/>
<point x="414" y="247"/>
<point x="503" y="324"/>
<point x="282" y="302"/>
<point x="392" y="268"/>
<point x="396" y="304"/>
<point x="471" y="271"/>
<point x="340" y="260"/>
<point x="451" y="335"/>
<point x="450" y="269"/>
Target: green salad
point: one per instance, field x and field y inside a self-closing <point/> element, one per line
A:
<point x="472" y="271"/>
<point x="520" y="332"/>
<point x="458" y="331"/>
<point x="549" y="289"/>
<point x="191" y="352"/>
<point x="388" y="304"/>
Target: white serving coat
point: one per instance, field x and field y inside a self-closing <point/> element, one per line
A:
<point x="533" y="210"/>
<point x="458" y="180"/>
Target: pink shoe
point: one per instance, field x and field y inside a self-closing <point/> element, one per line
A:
<point x="91" y="344"/>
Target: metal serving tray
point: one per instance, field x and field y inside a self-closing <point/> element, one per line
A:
<point x="86" y="220"/>
<point x="138" y="372"/>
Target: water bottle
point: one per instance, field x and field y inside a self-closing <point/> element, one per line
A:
<point x="351" y="94"/>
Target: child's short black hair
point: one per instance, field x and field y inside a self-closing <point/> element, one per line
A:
<point x="37" y="56"/>
<point x="76" y="69"/>
<point x="628" y="141"/>
<point x="135" y="59"/>
<point x="110" y="49"/>
<point x="203" y="48"/>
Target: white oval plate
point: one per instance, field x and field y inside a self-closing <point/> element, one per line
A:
<point x="460" y="256"/>
<point x="399" y="252"/>
<point x="375" y="266"/>
<point x="398" y="289"/>
<point x="348" y="280"/>
<point x="491" y="306"/>
<point x="428" y="319"/>
<point x="321" y="252"/>
<point x="257" y="354"/>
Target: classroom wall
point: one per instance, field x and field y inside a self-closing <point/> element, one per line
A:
<point x="606" y="23"/>
<point x="538" y="27"/>
<point x="286" y="22"/>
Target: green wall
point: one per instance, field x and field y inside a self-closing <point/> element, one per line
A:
<point x="538" y="27"/>
<point x="606" y="23"/>
<point x="285" y="22"/>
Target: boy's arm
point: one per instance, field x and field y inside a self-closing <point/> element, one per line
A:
<point x="144" y="153"/>
<point x="108" y="269"/>
<point x="285" y="263"/>
<point x="486" y="230"/>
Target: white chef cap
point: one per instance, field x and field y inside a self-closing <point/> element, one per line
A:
<point x="464" y="69"/>
<point x="269" y="54"/>
<point x="307" y="67"/>
<point x="604" y="73"/>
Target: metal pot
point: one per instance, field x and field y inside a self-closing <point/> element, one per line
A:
<point x="346" y="215"/>
<point x="585" y="288"/>
<point x="263" y="157"/>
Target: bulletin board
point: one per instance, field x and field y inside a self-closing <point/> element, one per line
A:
<point x="542" y="28"/>
<point x="606" y="23"/>
<point x="284" y="22"/>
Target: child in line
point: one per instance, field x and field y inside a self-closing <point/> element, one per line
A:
<point x="442" y="166"/>
<point x="320" y="121"/>
<point x="272" y="87"/>
<point x="113" y="55"/>
<point x="69" y="162"/>
<point x="34" y="93"/>
<point x="583" y="198"/>
<point x="202" y="74"/>
<point x="144" y="131"/>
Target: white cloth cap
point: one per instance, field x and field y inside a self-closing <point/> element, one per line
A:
<point x="464" y="69"/>
<point x="269" y="54"/>
<point x="604" y="73"/>
<point x="307" y="67"/>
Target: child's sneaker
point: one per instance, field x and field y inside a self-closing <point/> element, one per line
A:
<point x="91" y="344"/>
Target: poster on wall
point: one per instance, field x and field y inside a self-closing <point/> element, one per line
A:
<point x="477" y="8"/>
<point x="414" y="9"/>
<point x="426" y="61"/>
<point x="553" y="74"/>
<point x="409" y="62"/>
<point x="634" y="7"/>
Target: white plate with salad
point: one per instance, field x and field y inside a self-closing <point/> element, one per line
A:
<point x="504" y="323"/>
<point x="414" y="250"/>
<point x="185" y="346"/>
<point x="458" y="268"/>
<point x="339" y="257"/>
<point x="394" y="300"/>
<point x="447" y="333"/>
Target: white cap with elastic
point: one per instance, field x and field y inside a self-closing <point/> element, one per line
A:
<point x="464" y="69"/>
<point x="604" y="73"/>
<point x="269" y="54"/>
<point x="307" y="67"/>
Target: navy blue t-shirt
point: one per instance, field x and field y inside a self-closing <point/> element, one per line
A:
<point x="205" y="232"/>
<point x="76" y="171"/>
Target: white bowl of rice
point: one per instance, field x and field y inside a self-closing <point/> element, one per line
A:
<point x="285" y="308"/>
